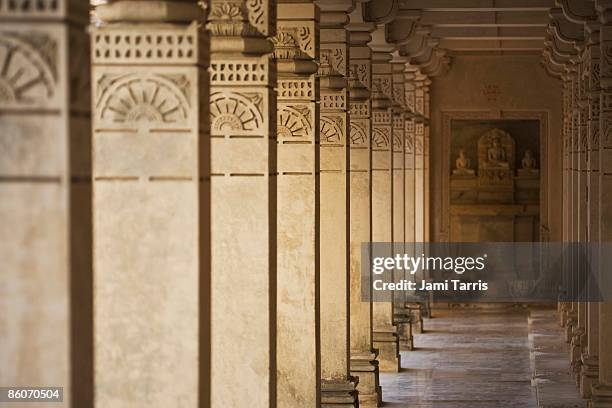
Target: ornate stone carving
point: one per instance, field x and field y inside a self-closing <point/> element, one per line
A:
<point x="28" y="6"/>
<point x="235" y="72"/>
<point x="142" y="98"/>
<point x="333" y="61"/>
<point x="332" y="129"/>
<point x="146" y="47"/>
<point x="301" y="89"/>
<point x="359" y="136"/>
<point x="333" y="100"/>
<point x="380" y="138"/>
<point x="361" y="72"/>
<point x="28" y="66"/>
<point x="360" y="109"/>
<point x="381" y="117"/>
<point x="409" y="143"/>
<point x="236" y="112"/>
<point x="236" y="18"/>
<point x="293" y="40"/>
<point x="294" y="122"/>
<point x="496" y="150"/>
<point x="496" y="157"/>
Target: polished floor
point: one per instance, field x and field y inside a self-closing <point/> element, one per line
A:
<point x="470" y="358"/>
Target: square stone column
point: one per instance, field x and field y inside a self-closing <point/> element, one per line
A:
<point x="572" y="322"/>
<point x="45" y="198"/>
<point x="243" y="204"/>
<point x="602" y="391"/>
<point x="363" y="361"/>
<point x="401" y="315"/>
<point x="337" y="385"/>
<point x="296" y="46"/>
<point x="386" y="338"/>
<point x="150" y="207"/>
<point x="409" y="176"/>
<point x="581" y="175"/>
<point x="426" y="166"/>
<point x="564" y="307"/>
<point x="590" y="359"/>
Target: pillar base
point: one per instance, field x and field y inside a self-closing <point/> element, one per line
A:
<point x="570" y="322"/>
<point x="589" y="374"/>
<point x="387" y="343"/>
<point x="339" y="393"/>
<point x="576" y="354"/>
<point x="406" y="338"/>
<point x="365" y="367"/>
<point x="563" y="314"/>
<point x="403" y="319"/>
<point x="601" y="396"/>
<point x="416" y="313"/>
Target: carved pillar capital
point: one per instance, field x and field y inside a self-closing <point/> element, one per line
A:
<point x="138" y="11"/>
<point x="240" y="27"/>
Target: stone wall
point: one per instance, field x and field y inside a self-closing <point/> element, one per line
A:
<point x="497" y="87"/>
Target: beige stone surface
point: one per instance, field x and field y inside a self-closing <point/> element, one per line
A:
<point x="297" y="191"/>
<point x="44" y="196"/>
<point x="463" y="90"/>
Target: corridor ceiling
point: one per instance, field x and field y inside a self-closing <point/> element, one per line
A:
<point x="429" y="32"/>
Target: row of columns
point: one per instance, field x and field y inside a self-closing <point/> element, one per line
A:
<point x="190" y="231"/>
<point x="578" y="50"/>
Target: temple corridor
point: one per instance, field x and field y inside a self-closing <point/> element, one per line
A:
<point x="191" y="191"/>
<point x="482" y="358"/>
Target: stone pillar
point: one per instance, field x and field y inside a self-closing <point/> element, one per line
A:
<point x="565" y="306"/>
<point x="295" y="49"/>
<point x="419" y="172"/>
<point x="401" y="315"/>
<point x="409" y="177"/>
<point x="45" y="205"/>
<point x="150" y="206"/>
<point x="385" y="332"/>
<point x="426" y="212"/>
<point x="363" y="361"/>
<point x="602" y="391"/>
<point x="334" y="178"/>
<point x="589" y="358"/>
<point x="572" y="321"/>
<point x="580" y="176"/>
<point x="244" y="204"/>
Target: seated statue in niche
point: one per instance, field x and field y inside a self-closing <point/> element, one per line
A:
<point x="528" y="162"/>
<point x="496" y="158"/>
<point x="462" y="165"/>
<point x="528" y="165"/>
<point x="496" y="155"/>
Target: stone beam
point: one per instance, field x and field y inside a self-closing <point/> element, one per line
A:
<point x="478" y="5"/>
<point x="492" y="44"/>
<point x="485" y="19"/>
<point x="489" y="33"/>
